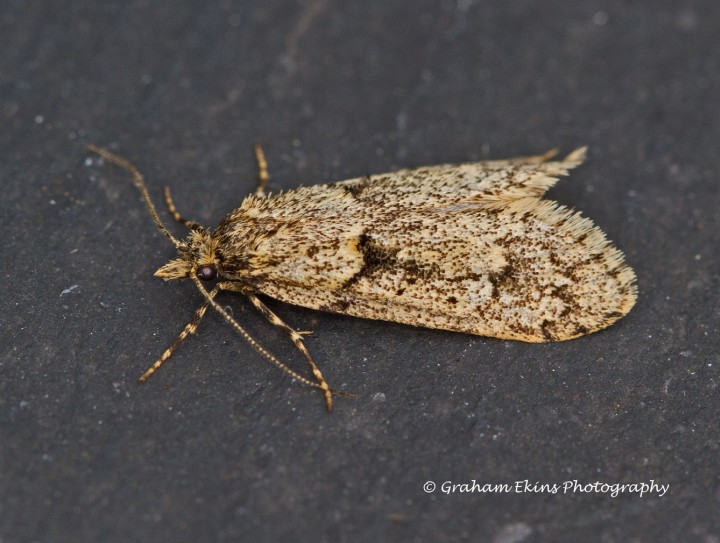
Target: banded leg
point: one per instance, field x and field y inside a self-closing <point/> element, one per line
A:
<point x="190" y="328"/>
<point x="237" y="287"/>
<point x="192" y="225"/>
<point x="262" y="170"/>
<point x="297" y="339"/>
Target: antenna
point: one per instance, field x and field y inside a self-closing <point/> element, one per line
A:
<point x="139" y="183"/>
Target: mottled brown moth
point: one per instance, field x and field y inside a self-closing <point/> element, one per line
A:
<point x="465" y="247"/>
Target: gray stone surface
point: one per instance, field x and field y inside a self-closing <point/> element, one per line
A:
<point x="220" y="446"/>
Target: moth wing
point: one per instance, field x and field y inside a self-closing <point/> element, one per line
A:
<point x="469" y="248"/>
<point x="531" y="270"/>
<point x="449" y="184"/>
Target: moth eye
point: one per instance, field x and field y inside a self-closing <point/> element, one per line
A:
<point x="207" y="273"/>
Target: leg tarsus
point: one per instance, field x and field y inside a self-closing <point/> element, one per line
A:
<point x="243" y="289"/>
<point x="262" y="170"/>
<point x="190" y="328"/>
<point x="297" y="339"/>
<point x="174" y="212"/>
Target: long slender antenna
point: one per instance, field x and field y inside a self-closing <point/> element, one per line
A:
<point x="139" y="183"/>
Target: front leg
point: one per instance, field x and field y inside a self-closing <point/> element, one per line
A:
<point x="293" y="334"/>
<point x="190" y="328"/>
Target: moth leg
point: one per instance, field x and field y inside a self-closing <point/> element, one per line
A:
<point x="174" y="212"/>
<point x="297" y="339"/>
<point x="190" y="328"/>
<point x="262" y="171"/>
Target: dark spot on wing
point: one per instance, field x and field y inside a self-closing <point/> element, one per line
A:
<point x="503" y="279"/>
<point x="357" y="188"/>
<point x="545" y="327"/>
<point x="340" y="306"/>
<point x="376" y="257"/>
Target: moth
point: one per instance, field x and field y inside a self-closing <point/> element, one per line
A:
<point x="471" y="248"/>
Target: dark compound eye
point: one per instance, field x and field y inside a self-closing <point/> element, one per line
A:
<point x="207" y="273"/>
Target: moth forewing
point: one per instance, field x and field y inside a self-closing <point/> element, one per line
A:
<point x="466" y="247"/>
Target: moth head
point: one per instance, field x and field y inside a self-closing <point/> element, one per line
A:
<point x="198" y="256"/>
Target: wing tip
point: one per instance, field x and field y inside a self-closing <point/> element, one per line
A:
<point x="576" y="158"/>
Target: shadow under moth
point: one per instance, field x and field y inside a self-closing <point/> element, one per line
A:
<point x="465" y="247"/>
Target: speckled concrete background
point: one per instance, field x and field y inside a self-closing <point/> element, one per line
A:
<point x="220" y="446"/>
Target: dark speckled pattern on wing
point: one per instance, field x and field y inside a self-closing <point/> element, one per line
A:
<point x="465" y="247"/>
